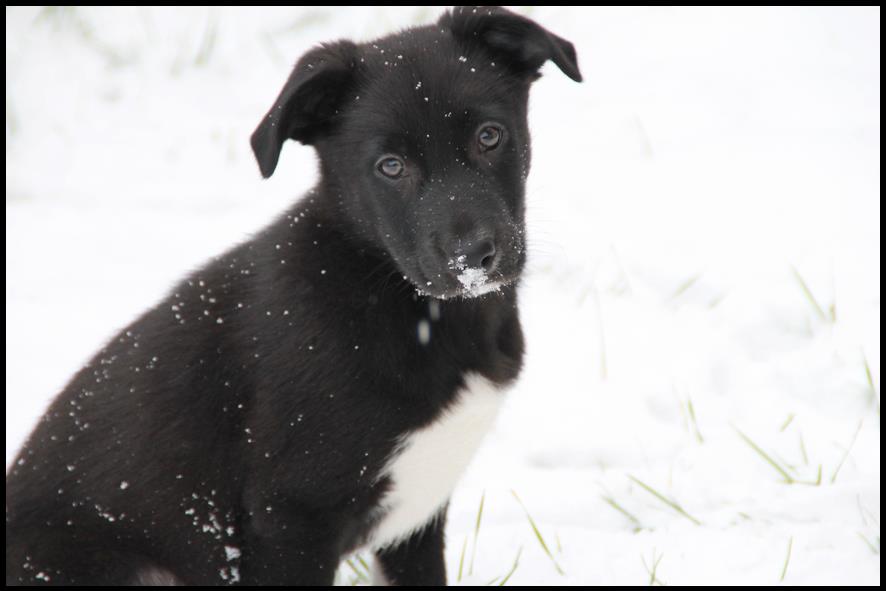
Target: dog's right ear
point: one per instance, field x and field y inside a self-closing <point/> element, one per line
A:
<point x="522" y="43"/>
<point x="308" y="103"/>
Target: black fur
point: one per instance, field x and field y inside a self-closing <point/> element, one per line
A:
<point x="253" y="409"/>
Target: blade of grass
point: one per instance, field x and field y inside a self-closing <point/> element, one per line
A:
<point x="808" y="293"/>
<point x="867" y="372"/>
<point x="866" y="513"/>
<point x="694" y="421"/>
<point x="673" y="505"/>
<point x="765" y="456"/>
<point x="787" y="422"/>
<point x="803" y="450"/>
<point x="209" y="37"/>
<point x="477" y="532"/>
<point x="612" y="503"/>
<point x="461" y="561"/>
<point x="653" y="578"/>
<point x="787" y="559"/>
<point x="848" y="450"/>
<point x="363" y="564"/>
<point x="360" y="576"/>
<point x="685" y="286"/>
<point x="538" y="535"/>
<point x="874" y="549"/>
<point x="513" y="568"/>
<point x="604" y="366"/>
<point x="304" y="21"/>
<point x="817" y="481"/>
<point x="785" y="464"/>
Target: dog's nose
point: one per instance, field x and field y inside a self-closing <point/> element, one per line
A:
<point x="480" y="254"/>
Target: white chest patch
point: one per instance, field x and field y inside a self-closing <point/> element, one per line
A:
<point x="429" y="462"/>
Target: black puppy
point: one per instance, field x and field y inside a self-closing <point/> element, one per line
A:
<point x="321" y="387"/>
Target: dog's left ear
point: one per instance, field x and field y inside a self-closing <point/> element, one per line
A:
<point x="308" y="103"/>
<point x="523" y="44"/>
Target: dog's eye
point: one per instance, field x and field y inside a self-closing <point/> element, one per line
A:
<point x="489" y="137"/>
<point x="391" y="167"/>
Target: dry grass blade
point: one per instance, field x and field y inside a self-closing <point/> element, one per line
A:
<point x="685" y="286"/>
<point x="361" y="576"/>
<point x="848" y="450"/>
<point x="874" y="548"/>
<point x="538" y="535"/>
<point x="765" y="456"/>
<point x="513" y="568"/>
<point x="872" y="390"/>
<point x="612" y="503"/>
<point x="673" y="505"/>
<point x="787" y="559"/>
<point x="477" y="532"/>
<point x="808" y="293"/>
<point x="461" y="561"/>
<point x="653" y="576"/>
<point x="691" y="409"/>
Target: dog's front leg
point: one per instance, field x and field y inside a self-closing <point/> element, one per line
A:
<point x="418" y="560"/>
<point x="289" y="548"/>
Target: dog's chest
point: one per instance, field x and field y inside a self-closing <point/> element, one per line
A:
<point x="427" y="464"/>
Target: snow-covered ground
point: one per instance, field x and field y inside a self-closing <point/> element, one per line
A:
<point x="704" y="286"/>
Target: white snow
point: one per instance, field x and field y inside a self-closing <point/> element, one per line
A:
<point x="474" y="280"/>
<point x="424" y="331"/>
<point x="232" y="553"/>
<point x="708" y="153"/>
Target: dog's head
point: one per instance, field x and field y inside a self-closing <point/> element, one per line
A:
<point x="423" y="141"/>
